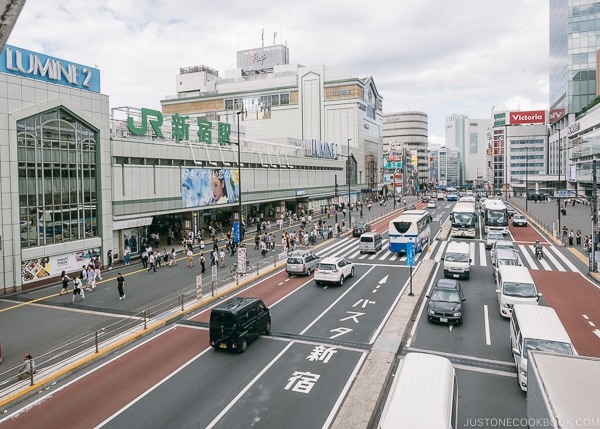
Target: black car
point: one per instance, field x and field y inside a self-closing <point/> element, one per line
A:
<point x="360" y="228"/>
<point x="445" y="303"/>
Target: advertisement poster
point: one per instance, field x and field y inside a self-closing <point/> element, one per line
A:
<point x="206" y="187"/>
<point x="36" y="269"/>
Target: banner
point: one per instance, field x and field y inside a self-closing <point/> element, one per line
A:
<point x="206" y="187"/>
<point x="38" y="268"/>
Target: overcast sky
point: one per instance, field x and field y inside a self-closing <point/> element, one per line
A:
<point x="436" y="56"/>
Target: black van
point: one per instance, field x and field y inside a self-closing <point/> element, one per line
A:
<point x="236" y="322"/>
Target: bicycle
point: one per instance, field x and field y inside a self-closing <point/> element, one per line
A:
<point x="234" y="269"/>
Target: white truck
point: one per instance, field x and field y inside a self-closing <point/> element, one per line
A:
<point x="562" y="391"/>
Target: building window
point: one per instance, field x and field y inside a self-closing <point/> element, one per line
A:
<point x="57" y="178"/>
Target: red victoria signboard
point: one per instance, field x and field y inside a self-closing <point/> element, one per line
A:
<point x="529" y="117"/>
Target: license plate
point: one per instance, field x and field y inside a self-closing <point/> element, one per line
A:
<point x="443" y="319"/>
<point x="456" y="276"/>
<point x="222" y="346"/>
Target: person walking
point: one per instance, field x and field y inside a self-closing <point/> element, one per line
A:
<point x="65" y="279"/>
<point x="27" y="368"/>
<point x="109" y="258"/>
<point x="127" y="257"/>
<point x="571" y="236"/>
<point x="120" y="286"/>
<point x="77" y="290"/>
<point x="202" y="263"/>
<point x="221" y="258"/>
<point x="151" y="266"/>
<point x="145" y="258"/>
<point x="91" y="280"/>
<point x="190" y="258"/>
<point x="578" y="237"/>
<point x="172" y="259"/>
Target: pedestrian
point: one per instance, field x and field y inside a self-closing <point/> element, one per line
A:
<point x="65" y="279"/>
<point x="158" y="258"/>
<point x="145" y="258"/>
<point x="151" y="260"/>
<point x="77" y="290"/>
<point x="578" y="237"/>
<point x="120" y="286"/>
<point x="263" y="249"/>
<point x="211" y="255"/>
<point x="256" y="242"/>
<point x="97" y="267"/>
<point x="190" y="258"/>
<point x="571" y="236"/>
<point x="202" y="263"/>
<point x="109" y="258"/>
<point x="222" y="257"/>
<point x="27" y="368"/>
<point x="127" y="257"/>
<point x="91" y="279"/>
<point x="172" y="259"/>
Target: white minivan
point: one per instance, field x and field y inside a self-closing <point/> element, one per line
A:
<point x="424" y="394"/>
<point x="536" y="327"/>
<point x="370" y="242"/>
<point x="457" y="260"/>
<point x="515" y="286"/>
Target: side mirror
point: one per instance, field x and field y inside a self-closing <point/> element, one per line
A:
<point x="464" y="299"/>
<point x="427" y="296"/>
<point x="539" y="294"/>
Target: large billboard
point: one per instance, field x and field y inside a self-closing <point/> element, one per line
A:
<point x="529" y="117"/>
<point x="209" y="186"/>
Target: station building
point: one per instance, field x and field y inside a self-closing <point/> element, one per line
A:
<point x="78" y="178"/>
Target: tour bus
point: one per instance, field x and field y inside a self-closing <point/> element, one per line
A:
<point x="424" y="394"/>
<point x="411" y="226"/>
<point x="495" y="216"/>
<point x="463" y="218"/>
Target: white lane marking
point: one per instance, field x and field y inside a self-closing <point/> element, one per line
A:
<point x="455" y="355"/>
<point x="585" y="316"/>
<point x="472" y="253"/>
<point x="552" y="259"/>
<point x="482" y="255"/>
<point x="530" y="262"/>
<point x="564" y="259"/>
<point x="386" y="255"/>
<point x="486" y="321"/>
<point x="440" y="252"/>
<point x="485" y="370"/>
<point x="545" y="263"/>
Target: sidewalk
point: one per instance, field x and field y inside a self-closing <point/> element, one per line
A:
<point x="545" y="217"/>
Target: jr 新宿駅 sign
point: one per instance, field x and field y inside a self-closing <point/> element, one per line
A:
<point x="24" y="63"/>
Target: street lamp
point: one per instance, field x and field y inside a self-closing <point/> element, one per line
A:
<point x="238" y="113"/>
<point x="526" y="176"/>
<point x="348" y="168"/>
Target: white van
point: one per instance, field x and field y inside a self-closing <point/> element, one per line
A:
<point x="515" y="286"/>
<point x="535" y="327"/>
<point x="424" y="394"/>
<point x="370" y="242"/>
<point x="457" y="260"/>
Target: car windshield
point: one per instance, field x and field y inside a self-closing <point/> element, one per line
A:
<point x="294" y="260"/>
<point x="446" y="295"/>
<point x="505" y="246"/>
<point x="520" y="290"/>
<point x="456" y="257"/>
<point x="512" y="262"/>
<point x="546" y="346"/>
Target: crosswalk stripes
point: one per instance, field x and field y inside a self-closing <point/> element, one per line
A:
<point x="553" y="259"/>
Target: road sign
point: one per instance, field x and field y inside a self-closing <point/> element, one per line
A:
<point x="410" y="253"/>
<point x="563" y="193"/>
<point x="236" y="232"/>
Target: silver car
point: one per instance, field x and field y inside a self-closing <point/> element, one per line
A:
<point x="302" y="262"/>
<point x="491" y="238"/>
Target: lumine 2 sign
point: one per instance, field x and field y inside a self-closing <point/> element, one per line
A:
<point x="180" y="128"/>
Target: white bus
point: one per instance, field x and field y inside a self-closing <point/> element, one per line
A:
<point x="411" y="226"/>
<point x="495" y="216"/>
<point x="463" y="218"/>
<point x="424" y="394"/>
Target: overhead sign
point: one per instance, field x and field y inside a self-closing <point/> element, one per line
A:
<point x="563" y="193"/>
<point x="392" y="165"/>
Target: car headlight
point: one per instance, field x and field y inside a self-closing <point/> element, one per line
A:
<point x="523" y="372"/>
<point x="430" y="312"/>
<point x="504" y="305"/>
<point x="457" y="313"/>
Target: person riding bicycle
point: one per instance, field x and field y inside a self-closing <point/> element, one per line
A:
<point x="539" y="249"/>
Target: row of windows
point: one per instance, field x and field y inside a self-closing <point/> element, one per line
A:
<point x="253" y="103"/>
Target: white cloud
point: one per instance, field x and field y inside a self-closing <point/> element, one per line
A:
<point x="439" y="57"/>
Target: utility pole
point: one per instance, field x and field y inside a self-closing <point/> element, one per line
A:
<point x="594" y="206"/>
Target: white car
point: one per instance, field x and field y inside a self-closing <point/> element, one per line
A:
<point x="333" y="270"/>
<point x="431" y="204"/>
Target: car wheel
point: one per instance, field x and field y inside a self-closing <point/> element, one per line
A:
<point x="317" y="282"/>
<point x="243" y="345"/>
<point x="268" y="328"/>
<point x="352" y="272"/>
<point x="341" y="280"/>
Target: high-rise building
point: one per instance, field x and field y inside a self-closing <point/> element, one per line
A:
<point x="408" y="131"/>
<point x="469" y="137"/>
